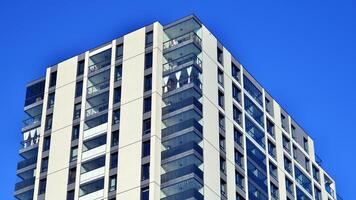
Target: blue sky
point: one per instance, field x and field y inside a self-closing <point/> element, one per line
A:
<point x="303" y="52"/>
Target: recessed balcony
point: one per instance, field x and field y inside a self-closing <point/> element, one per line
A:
<point x="190" y="62"/>
<point x="188" y="148"/>
<point x="189" y="43"/>
<point x="184" y="172"/>
<point x="170" y="189"/>
<point x="100" y="61"/>
<point x="188" y="103"/>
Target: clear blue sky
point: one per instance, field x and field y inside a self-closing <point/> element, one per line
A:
<point x="303" y="52"/>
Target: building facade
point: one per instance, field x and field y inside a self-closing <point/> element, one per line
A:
<point x="164" y="112"/>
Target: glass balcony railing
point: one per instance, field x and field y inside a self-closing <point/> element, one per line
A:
<point x="96" y="109"/>
<point x="24" y="183"/>
<point x="33" y="99"/>
<point x="32" y="120"/>
<point x="96" y="66"/>
<point x="259" y="179"/>
<point x="26" y="163"/>
<point x="173" y="85"/>
<point x="92" y="90"/>
<point x="188" y="194"/>
<point x="182" y="126"/>
<point x="190" y="169"/>
<point x="180" y="149"/>
<point x="182" y="104"/>
<point x="188" y="59"/>
<point x="181" y="39"/>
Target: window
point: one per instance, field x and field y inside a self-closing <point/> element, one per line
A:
<point x="221" y="121"/>
<point x="236" y="93"/>
<point x="287" y="165"/>
<point x="146" y="126"/>
<point x="273" y="170"/>
<point x="252" y="109"/>
<point x="269" y="106"/>
<point x="295" y="151"/>
<point x="316" y="173"/>
<point x="146" y="148"/>
<point x="317" y="193"/>
<point x="48" y="122"/>
<point x="284" y="122"/>
<point x="75" y="132"/>
<point x="73" y="153"/>
<point x="238" y="136"/>
<point x="145" y="193"/>
<point x="148" y="83"/>
<point x="222" y="165"/>
<point x="305" y="144"/>
<point x="239" y="179"/>
<point x="119" y="51"/>
<point x="222" y="142"/>
<point x="148" y="60"/>
<point x="113" y="160"/>
<point x="70" y="195"/>
<point x="50" y="102"/>
<point x="220" y="77"/>
<point x="293" y="132"/>
<point x="302" y="179"/>
<point x="115" y="138"/>
<point x="220" y="56"/>
<point x="145" y="174"/>
<point x="253" y="90"/>
<point x="255" y="132"/>
<point x="235" y="72"/>
<point x="274" y="191"/>
<point x="72" y="175"/>
<point x="118" y="72"/>
<point x="77" y="111"/>
<point x="149" y="38"/>
<point x="221" y="99"/>
<point x="286" y="143"/>
<point x="53" y="79"/>
<point x="147" y="104"/>
<point x="44" y="164"/>
<point x="272" y="149"/>
<point x="236" y="115"/>
<point x="270" y="128"/>
<point x="46" y="143"/>
<point x="238" y="158"/>
<point x="42" y="186"/>
<point x="223" y="187"/>
<point x="112" y="183"/>
<point x="79" y="89"/>
<point x="116" y="116"/>
<point x="80" y="68"/>
<point x="117" y="95"/>
<point x="289" y="186"/>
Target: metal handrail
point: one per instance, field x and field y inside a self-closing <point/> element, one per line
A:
<point x="180" y="39"/>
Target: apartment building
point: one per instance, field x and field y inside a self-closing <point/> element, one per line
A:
<point x="162" y="113"/>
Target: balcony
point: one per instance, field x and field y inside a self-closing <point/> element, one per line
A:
<point x="172" y="84"/>
<point x="26" y="195"/>
<point x="188" y="171"/>
<point x="26" y="163"/>
<point x="190" y="124"/>
<point x="189" y="43"/>
<point x="174" y="188"/>
<point x="188" y="194"/>
<point x="97" y="88"/>
<point x="35" y="93"/>
<point x="96" y="109"/>
<point x="32" y="121"/>
<point x="91" y="175"/>
<point x="184" y="104"/>
<point x="188" y="147"/>
<point x="188" y="61"/>
<point x="97" y="151"/>
<point x="25" y="183"/>
<point x="100" y="61"/>
<point x="30" y="138"/>
<point x="95" y="131"/>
